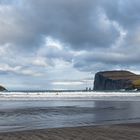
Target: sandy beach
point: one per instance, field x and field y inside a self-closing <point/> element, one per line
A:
<point x="106" y="132"/>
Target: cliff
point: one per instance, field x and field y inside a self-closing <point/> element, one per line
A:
<point x="115" y="80"/>
<point x="2" y="88"/>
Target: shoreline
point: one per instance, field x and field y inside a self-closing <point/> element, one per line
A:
<point x="106" y="96"/>
<point x="104" y="132"/>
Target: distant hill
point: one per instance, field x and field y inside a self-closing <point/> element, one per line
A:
<point x="115" y="80"/>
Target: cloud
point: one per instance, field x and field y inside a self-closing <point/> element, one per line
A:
<point x="50" y="41"/>
<point x="7" y="69"/>
<point x="40" y="61"/>
<point x="67" y="83"/>
<point x="80" y="24"/>
<point x="51" y="48"/>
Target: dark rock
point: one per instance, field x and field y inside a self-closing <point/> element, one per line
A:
<point x="2" y="88"/>
<point x="115" y="80"/>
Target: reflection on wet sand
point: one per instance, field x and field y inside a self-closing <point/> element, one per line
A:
<point x="29" y="115"/>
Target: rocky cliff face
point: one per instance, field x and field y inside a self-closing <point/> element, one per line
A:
<point x="115" y="80"/>
<point x="2" y="88"/>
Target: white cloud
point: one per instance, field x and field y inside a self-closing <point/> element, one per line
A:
<point x="8" y="68"/>
<point x="40" y="61"/>
<point x="52" y="43"/>
<point x="29" y="72"/>
<point x="18" y="70"/>
<point x="68" y="83"/>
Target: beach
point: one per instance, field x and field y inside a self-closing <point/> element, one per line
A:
<point x="19" y="115"/>
<point x="115" y="118"/>
<point x="104" y="132"/>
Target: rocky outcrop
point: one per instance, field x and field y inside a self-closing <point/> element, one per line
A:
<point x="2" y="88"/>
<point x="115" y="80"/>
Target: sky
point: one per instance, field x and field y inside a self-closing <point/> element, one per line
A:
<point x="61" y="44"/>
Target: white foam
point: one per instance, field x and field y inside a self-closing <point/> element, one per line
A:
<point x="70" y="95"/>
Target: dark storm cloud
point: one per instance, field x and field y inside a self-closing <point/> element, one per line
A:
<point x="80" y="24"/>
<point x="125" y="12"/>
<point x="103" y="60"/>
<point x="125" y="53"/>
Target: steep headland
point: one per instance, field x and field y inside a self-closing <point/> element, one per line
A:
<point x="115" y="80"/>
<point x="2" y="88"/>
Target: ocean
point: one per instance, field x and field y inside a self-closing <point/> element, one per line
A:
<point x="18" y="115"/>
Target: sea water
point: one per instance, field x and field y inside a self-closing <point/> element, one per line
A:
<point x="18" y="115"/>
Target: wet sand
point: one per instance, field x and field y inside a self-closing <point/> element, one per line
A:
<point x="106" y="132"/>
